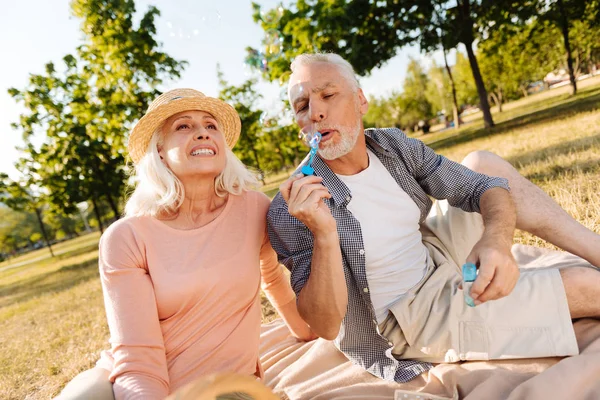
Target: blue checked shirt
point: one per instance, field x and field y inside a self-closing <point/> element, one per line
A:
<point x="419" y="172"/>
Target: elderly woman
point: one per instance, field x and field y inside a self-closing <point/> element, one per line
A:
<point x="181" y="273"/>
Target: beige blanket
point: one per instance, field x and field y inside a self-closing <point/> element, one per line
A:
<point x="317" y="370"/>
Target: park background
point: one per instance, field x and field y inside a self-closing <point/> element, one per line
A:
<point x="517" y="78"/>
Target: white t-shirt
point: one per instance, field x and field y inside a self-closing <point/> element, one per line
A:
<point x="389" y="219"/>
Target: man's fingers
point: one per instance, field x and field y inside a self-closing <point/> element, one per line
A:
<point x="502" y="285"/>
<point x="485" y="276"/>
<point x="306" y="190"/>
<point x="316" y="196"/>
<point x="286" y="186"/>
<point x="297" y="184"/>
<point x="299" y="207"/>
<point x="492" y="291"/>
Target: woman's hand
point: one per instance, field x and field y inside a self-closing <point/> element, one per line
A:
<point x="303" y="332"/>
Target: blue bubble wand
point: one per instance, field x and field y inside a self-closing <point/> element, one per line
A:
<point x="312" y="140"/>
<point x="469" y="272"/>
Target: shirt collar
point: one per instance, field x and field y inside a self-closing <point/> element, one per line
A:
<point x="339" y="191"/>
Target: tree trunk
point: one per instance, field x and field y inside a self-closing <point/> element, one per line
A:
<point x="97" y="212"/>
<point x="564" y="26"/>
<point x="112" y="205"/>
<point x="500" y="99"/>
<point x="454" y="101"/>
<point x="483" y="101"/>
<point x="262" y="174"/>
<point x="467" y="24"/>
<point x="497" y="101"/>
<point x="109" y="198"/>
<point x="38" y="214"/>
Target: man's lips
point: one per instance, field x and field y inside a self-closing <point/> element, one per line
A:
<point x="326" y="134"/>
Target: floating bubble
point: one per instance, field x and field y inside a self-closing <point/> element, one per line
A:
<point x="310" y="137"/>
<point x="270" y="16"/>
<point x="212" y="18"/>
<point x="268" y="123"/>
<point x="256" y="60"/>
<point x="189" y="25"/>
<point x="273" y="43"/>
<point x="264" y="64"/>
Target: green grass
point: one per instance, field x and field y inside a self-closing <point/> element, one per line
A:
<point x="52" y="322"/>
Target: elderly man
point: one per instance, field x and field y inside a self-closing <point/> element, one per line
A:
<point x="377" y="267"/>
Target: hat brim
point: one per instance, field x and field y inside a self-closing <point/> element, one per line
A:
<point x="227" y="118"/>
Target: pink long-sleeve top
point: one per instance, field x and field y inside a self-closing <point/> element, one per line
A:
<point x="184" y="303"/>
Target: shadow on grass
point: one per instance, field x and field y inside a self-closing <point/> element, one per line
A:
<point x="588" y="100"/>
<point x="78" y="251"/>
<point x="555" y="170"/>
<point x="51" y="282"/>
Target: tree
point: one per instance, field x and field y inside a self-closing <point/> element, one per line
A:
<point x="265" y="143"/>
<point x="512" y="59"/>
<point x="244" y="98"/>
<point x="563" y="15"/>
<point x="368" y="33"/>
<point x="413" y="103"/>
<point x="20" y="198"/>
<point x="383" y="112"/>
<point x="586" y="46"/>
<point x="466" y="91"/>
<point x="86" y="110"/>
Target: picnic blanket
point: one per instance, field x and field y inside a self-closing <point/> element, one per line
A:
<point x="317" y="370"/>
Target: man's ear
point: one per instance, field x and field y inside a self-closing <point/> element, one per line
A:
<point x="362" y="102"/>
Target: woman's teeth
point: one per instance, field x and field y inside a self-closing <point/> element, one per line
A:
<point x="203" y="151"/>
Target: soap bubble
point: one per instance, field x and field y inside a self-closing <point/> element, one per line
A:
<point x="267" y="122"/>
<point x="310" y="137"/>
<point x="191" y="24"/>
<point x="273" y="43"/>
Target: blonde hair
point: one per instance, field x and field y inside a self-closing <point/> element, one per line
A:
<point x="158" y="190"/>
<point x="331" y="58"/>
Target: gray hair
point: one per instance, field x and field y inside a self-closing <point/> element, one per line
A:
<point x="344" y="66"/>
<point x="159" y="190"/>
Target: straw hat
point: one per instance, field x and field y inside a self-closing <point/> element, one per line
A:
<point x="175" y="101"/>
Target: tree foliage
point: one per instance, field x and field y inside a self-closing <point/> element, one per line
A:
<point x="84" y="109"/>
<point x="267" y="143"/>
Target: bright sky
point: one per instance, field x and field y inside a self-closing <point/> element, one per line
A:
<point x="203" y="32"/>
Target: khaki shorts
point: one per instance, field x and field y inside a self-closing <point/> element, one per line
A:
<point x="432" y="322"/>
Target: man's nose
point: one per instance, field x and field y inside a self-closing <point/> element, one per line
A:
<point x="317" y="113"/>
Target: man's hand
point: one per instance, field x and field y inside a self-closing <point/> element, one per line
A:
<point x="304" y="195"/>
<point x="498" y="271"/>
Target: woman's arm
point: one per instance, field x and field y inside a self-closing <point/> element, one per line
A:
<point x="140" y="368"/>
<point x="277" y="288"/>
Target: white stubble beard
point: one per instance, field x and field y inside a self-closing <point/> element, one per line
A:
<point x="348" y="138"/>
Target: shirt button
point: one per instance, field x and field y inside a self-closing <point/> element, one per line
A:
<point x="347" y="198"/>
<point x="375" y="322"/>
<point x="390" y="343"/>
<point x="361" y="252"/>
<point x="366" y="290"/>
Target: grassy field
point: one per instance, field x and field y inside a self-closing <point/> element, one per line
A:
<point x="52" y="322"/>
